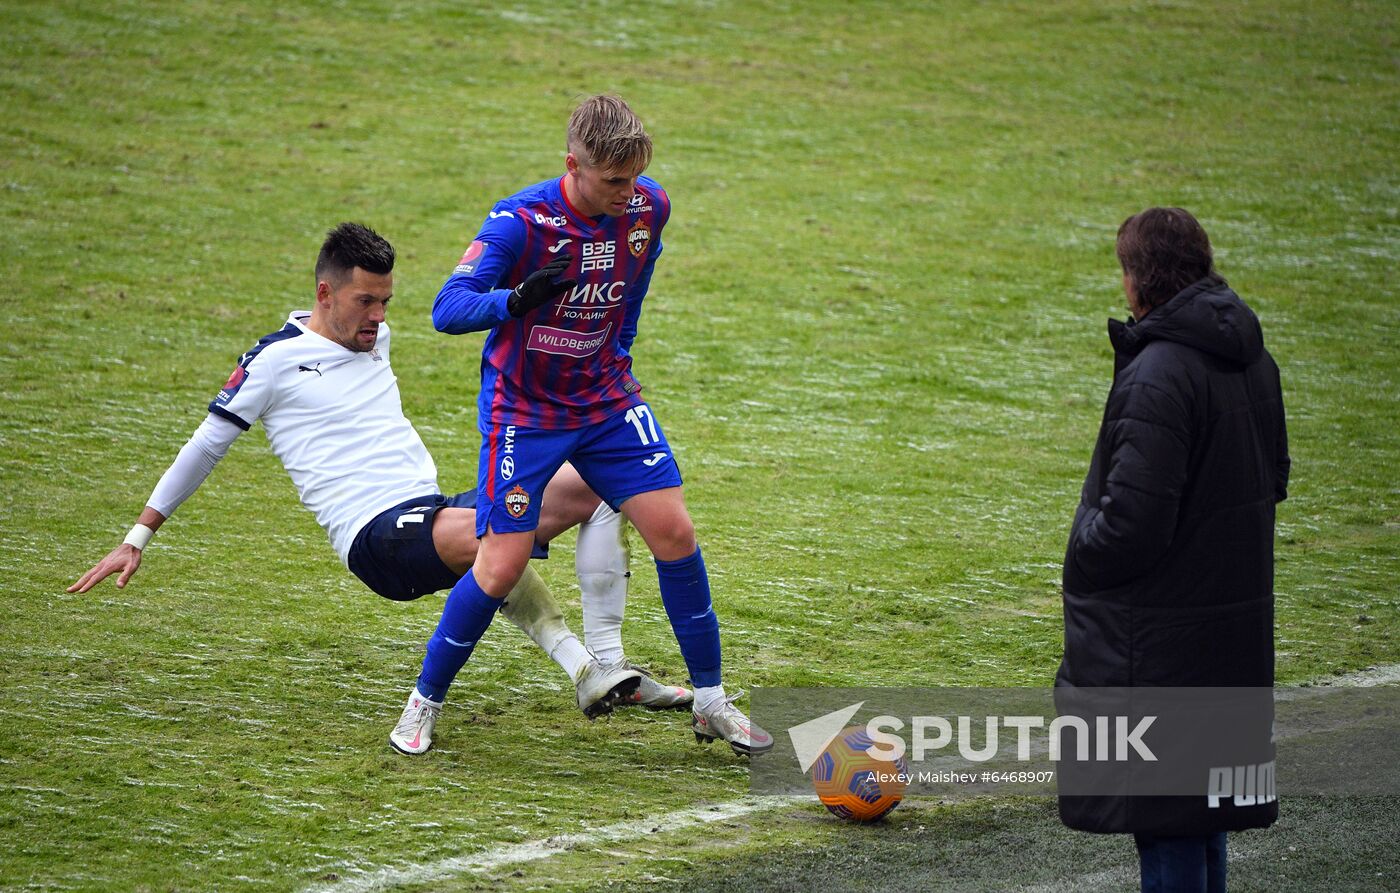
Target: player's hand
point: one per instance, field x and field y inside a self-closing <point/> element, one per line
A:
<point x="125" y="558"/>
<point x="540" y="288"/>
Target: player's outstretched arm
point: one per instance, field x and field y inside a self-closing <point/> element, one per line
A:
<point x="191" y="467"/>
<point x="126" y="558"/>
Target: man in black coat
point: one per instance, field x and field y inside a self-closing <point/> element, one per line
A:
<point x="1168" y="577"/>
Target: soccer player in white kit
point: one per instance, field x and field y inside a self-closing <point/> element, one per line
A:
<point x="323" y="388"/>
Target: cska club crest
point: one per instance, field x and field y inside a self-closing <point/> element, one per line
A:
<point x="517" y="502"/>
<point x="638" y="238"/>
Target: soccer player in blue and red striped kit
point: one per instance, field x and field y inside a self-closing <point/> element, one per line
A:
<point x="557" y="275"/>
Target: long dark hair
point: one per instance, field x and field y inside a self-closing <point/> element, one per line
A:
<point x="1163" y="250"/>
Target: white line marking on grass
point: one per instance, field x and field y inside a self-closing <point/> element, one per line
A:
<point x="1387" y="674"/>
<point x="535" y="850"/>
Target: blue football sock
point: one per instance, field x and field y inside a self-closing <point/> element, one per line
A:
<point x="685" y="593"/>
<point x="465" y="617"/>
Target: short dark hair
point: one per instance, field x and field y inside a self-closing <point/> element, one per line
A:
<point x="1163" y="250"/>
<point x="352" y="245"/>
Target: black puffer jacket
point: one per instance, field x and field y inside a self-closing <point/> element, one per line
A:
<point x="1168" y="578"/>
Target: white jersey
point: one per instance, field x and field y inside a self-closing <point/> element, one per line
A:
<point x="335" y="419"/>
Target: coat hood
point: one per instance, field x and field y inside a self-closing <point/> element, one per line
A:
<point x="1206" y="315"/>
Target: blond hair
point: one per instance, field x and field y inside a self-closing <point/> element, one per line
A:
<point x="604" y="132"/>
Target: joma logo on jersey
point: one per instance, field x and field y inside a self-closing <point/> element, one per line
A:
<point x="517" y="502"/>
<point x="598" y="256"/>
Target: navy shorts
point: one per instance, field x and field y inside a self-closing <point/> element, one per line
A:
<point x="394" y="554"/>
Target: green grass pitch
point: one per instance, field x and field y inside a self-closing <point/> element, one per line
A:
<point x="876" y="340"/>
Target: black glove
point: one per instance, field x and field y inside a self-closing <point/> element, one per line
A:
<point x="539" y="287"/>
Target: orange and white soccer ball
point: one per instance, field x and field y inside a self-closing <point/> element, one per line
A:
<point x="855" y="785"/>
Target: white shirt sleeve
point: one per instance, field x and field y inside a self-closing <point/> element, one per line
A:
<point x="197" y="458"/>
<point x="249" y="391"/>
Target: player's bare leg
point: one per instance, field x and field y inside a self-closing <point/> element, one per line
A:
<point x="500" y="560"/>
<point x="567" y="501"/>
<point x="661" y="518"/>
<point x="454" y="538"/>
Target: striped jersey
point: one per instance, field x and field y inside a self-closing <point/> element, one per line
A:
<point x="566" y="364"/>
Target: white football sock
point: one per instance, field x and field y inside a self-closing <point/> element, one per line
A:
<point x="530" y="607"/>
<point x="707" y="696"/>
<point x="600" y="559"/>
<point x="571" y="655"/>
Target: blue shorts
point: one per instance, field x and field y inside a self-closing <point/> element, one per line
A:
<point x="394" y="553"/>
<point x="619" y="457"/>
